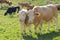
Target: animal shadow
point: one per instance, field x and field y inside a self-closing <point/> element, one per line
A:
<point x="47" y="36"/>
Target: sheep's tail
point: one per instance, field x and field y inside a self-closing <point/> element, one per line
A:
<point x="5" y="14"/>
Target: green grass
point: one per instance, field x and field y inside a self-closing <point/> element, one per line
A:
<point x="10" y="27"/>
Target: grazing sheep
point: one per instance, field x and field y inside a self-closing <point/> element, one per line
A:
<point x="5" y="1"/>
<point x="10" y="10"/>
<point x="26" y="4"/>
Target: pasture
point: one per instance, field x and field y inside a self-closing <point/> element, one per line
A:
<point x="10" y="27"/>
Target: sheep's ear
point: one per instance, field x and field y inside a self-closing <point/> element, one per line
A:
<point x="37" y="13"/>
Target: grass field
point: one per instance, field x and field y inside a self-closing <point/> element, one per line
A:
<point x="10" y="27"/>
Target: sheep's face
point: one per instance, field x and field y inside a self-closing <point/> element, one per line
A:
<point x="31" y="15"/>
<point x="22" y="15"/>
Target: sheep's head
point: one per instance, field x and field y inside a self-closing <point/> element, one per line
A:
<point x="22" y="14"/>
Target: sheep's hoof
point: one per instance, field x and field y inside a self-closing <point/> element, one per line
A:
<point x="48" y="30"/>
<point x="23" y="34"/>
<point x="40" y="33"/>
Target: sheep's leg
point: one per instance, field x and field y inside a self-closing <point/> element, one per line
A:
<point x="29" y="28"/>
<point x="40" y="28"/>
<point x="48" y="26"/>
<point x="35" y="28"/>
<point x="56" y="20"/>
<point x="10" y="14"/>
<point x="13" y="13"/>
<point x="23" y="28"/>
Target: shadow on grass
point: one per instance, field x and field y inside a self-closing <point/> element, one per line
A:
<point x="47" y="36"/>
